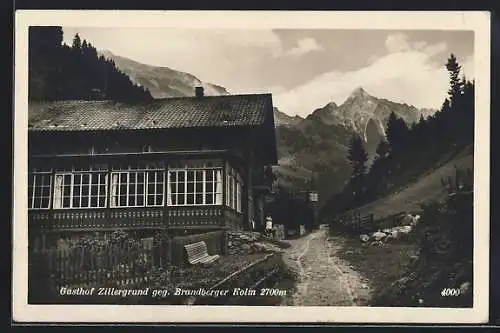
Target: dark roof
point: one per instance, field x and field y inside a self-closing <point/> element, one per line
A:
<point x="183" y="112"/>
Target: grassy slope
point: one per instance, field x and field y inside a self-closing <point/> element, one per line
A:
<point x="386" y="266"/>
<point x="427" y="188"/>
<point x="380" y="265"/>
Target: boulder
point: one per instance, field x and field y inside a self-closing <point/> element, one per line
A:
<point x="364" y="238"/>
<point x="407" y="219"/>
<point x="378" y="235"/>
<point x="403" y="229"/>
<point x="394" y="235"/>
<point x="415" y="220"/>
<point x="406" y="229"/>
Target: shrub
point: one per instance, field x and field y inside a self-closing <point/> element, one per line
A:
<point x="445" y="259"/>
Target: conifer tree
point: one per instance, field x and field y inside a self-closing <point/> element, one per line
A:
<point x="77" y="43"/>
<point x="60" y="72"/>
<point x="357" y="157"/>
<point x="455" y="83"/>
<point x="396" y="133"/>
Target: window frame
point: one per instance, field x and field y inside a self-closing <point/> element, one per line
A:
<point x="32" y="197"/>
<point x="215" y="194"/>
<point x="90" y="186"/>
<point x="145" y="183"/>
<point x="234" y="189"/>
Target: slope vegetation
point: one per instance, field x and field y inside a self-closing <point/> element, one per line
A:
<point x="426" y="188"/>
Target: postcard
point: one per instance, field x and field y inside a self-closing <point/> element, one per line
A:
<point x="251" y="166"/>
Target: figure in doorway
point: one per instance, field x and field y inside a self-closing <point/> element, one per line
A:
<point x="269" y="231"/>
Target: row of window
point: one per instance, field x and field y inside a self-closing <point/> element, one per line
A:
<point x="133" y="188"/>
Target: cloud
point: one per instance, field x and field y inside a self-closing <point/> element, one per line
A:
<point x="397" y="43"/>
<point x="304" y="46"/>
<point x="435" y="49"/>
<point x="406" y="74"/>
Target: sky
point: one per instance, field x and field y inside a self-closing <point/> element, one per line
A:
<point x="303" y="69"/>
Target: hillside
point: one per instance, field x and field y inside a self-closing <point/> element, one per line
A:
<point x="313" y="149"/>
<point x="163" y="81"/>
<point x="282" y="119"/>
<point x="426" y="188"/>
<point x="61" y="72"/>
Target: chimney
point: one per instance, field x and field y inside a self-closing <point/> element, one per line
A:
<point x="198" y="91"/>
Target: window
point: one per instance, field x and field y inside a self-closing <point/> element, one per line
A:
<point x="233" y="189"/>
<point x="80" y="189"/>
<point x="238" y="195"/>
<point x="195" y="187"/>
<point x="137" y="188"/>
<point x="39" y="184"/>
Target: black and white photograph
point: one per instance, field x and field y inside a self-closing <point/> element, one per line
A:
<point x="266" y="166"/>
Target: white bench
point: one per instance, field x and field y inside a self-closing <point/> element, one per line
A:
<point x="197" y="253"/>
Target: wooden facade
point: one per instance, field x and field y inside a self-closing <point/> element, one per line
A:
<point x="109" y="173"/>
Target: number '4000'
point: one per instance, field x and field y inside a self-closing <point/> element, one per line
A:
<point x="450" y="292"/>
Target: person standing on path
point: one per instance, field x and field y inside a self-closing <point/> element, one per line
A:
<point x="269" y="227"/>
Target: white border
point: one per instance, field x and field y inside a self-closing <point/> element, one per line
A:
<point x="479" y="22"/>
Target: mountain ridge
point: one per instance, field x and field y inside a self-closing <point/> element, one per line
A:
<point x="163" y="82"/>
<point x="367" y="116"/>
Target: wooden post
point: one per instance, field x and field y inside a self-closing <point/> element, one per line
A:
<point x="224" y="191"/>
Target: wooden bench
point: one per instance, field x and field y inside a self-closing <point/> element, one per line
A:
<point x="197" y="253"/>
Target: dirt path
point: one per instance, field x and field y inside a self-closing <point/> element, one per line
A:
<point x="324" y="279"/>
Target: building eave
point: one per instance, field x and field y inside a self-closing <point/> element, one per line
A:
<point x="140" y="154"/>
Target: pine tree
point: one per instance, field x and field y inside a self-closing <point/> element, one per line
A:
<point x="60" y="72"/>
<point x="77" y="43"/>
<point x="357" y="157"/>
<point x="455" y="83"/>
<point x="44" y="69"/>
<point x="382" y="149"/>
<point x="396" y="133"/>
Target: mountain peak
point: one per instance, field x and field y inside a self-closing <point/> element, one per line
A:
<point x="359" y="92"/>
<point x="332" y="105"/>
